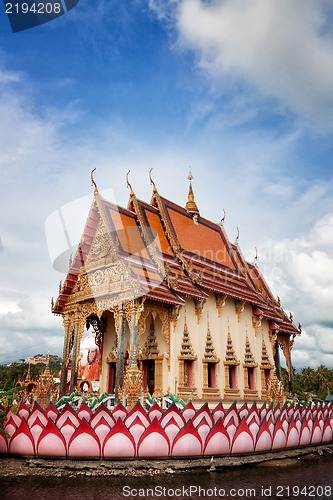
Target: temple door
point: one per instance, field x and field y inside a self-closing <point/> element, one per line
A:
<point x="112" y="378"/>
<point x="148" y="367"/>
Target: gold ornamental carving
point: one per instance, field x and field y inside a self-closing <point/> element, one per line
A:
<point x="174" y="314"/>
<point x="292" y="340"/>
<point x="285" y="344"/>
<point x="276" y="390"/>
<point x="256" y="323"/>
<point x="198" y="306"/>
<point x="220" y="303"/>
<point x="162" y="313"/>
<point x="103" y="249"/>
<point x="69" y="323"/>
<point x="133" y="385"/>
<point x="239" y="308"/>
<point x="273" y="339"/>
<point x="171" y="278"/>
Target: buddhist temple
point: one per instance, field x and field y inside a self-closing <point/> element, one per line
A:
<point x="171" y="305"/>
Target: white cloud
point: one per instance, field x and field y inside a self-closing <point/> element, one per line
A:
<point x="279" y="49"/>
<point x="323" y="230"/>
<point x="304" y="280"/>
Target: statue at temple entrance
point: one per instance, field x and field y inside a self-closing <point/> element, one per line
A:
<point x="90" y="359"/>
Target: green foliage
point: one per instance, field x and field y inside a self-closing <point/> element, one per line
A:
<point x="313" y="384"/>
<point x="10" y="375"/>
<point x="7" y="401"/>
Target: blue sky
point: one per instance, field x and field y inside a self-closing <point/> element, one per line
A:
<point x="241" y="91"/>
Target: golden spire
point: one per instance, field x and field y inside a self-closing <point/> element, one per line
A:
<point x="28" y="378"/>
<point x="248" y="356"/>
<point x="209" y="354"/>
<point x="128" y="184"/>
<point x="46" y="372"/>
<point x="93" y="183"/>
<point x="152" y="182"/>
<point x="191" y="206"/>
<point x="230" y="356"/>
<point x="186" y="350"/>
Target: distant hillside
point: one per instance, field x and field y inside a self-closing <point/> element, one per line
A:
<point x="17" y="371"/>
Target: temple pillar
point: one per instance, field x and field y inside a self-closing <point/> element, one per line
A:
<point x="291" y="380"/>
<point x="121" y="329"/>
<point x="277" y="360"/>
<point x="78" y="332"/>
<point x="158" y="377"/>
<point x="287" y="344"/>
<point x="68" y="327"/>
<point x="133" y="376"/>
<point x="133" y="356"/>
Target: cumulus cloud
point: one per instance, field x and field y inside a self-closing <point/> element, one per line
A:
<point x="280" y="50"/>
<point x="303" y="277"/>
<point x="27" y="326"/>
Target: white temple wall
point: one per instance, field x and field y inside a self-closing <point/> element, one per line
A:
<point x="219" y="326"/>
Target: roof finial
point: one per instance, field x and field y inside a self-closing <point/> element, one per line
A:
<point x="93" y="183"/>
<point x="237" y="237"/>
<point x="223" y="218"/>
<point x="256" y="257"/>
<point x="128" y="184"/>
<point x="191" y="206"/>
<point x="151" y="181"/>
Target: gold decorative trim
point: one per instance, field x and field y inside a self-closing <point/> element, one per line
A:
<point x="230" y="356"/>
<point x="220" y="303"/>
<point x="163" y="314"/>
<point x="249" y="360"/>
<point x="210" y="355"/>
<point x="199" y="304"/>
<point x="256" y="323"/>
<point x="239" y="308"/>
<point x="285" y="344"/>
<point x="186" y="349"/>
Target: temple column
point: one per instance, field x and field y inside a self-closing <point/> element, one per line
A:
<point x="133" y="376"/>
<point x="68" y="327"/>
<point x="277" y="360"/>
<point x="287" y="345"/>
<point x="121" y="329"/>
<point x="291" y="380"/>
<point x="158" y="375"/>
<point x="79" y="328"/>
<point x="133" y="357"/>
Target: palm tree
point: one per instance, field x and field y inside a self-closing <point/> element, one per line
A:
<point x="308" y="378"/>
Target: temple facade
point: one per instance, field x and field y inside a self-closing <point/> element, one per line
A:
<point x="171" y="305"/>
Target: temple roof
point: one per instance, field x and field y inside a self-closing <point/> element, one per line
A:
<point x="168" y="252"/>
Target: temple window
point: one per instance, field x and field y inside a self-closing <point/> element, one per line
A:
<point x="232" y="377"/>
<point x="188" y="373"/>
<point x="211" y="372"/>
<point x="250" y="378"/>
